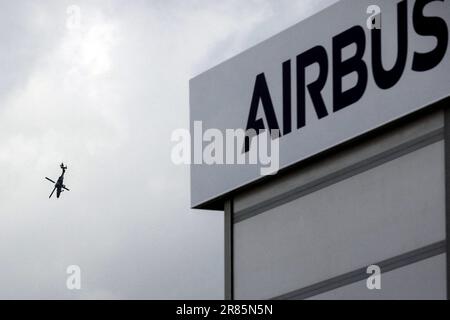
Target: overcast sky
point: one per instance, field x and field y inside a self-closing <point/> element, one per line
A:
<point x="104" y="96"/>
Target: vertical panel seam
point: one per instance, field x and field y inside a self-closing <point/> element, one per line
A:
<point x="228" y="250"/>
<point x="447" y="192"/>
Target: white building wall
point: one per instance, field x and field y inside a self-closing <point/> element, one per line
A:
<point x="378" y="214"/>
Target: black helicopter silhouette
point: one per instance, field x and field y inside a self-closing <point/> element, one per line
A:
<point x="59" y="186"/>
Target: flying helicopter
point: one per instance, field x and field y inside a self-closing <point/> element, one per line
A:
<point x="59" y="185"/>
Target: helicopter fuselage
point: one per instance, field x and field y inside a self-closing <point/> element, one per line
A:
<point x="59" y="185"/>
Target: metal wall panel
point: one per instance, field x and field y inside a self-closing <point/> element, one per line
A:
<point x="379" y="143"/>
<point x="422" y="280"/>
<point x="386" y="211"/>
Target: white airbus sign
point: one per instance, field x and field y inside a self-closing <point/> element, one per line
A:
<point x="324" y="81"/>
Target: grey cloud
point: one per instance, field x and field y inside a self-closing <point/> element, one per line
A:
<point x="105" y="100"/>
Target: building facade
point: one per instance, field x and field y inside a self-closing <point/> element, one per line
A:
<point x="364" y="179"/>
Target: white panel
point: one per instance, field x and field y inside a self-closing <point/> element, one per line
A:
<point x="402" y="133"/>
<point x="381" y="213"/>
<point x="423" y="280"/>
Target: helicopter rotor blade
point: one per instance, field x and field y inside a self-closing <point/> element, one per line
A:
<point x="50" y="180"/>
<point x="52" y="192"/>
<point x="65" y="188"/>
